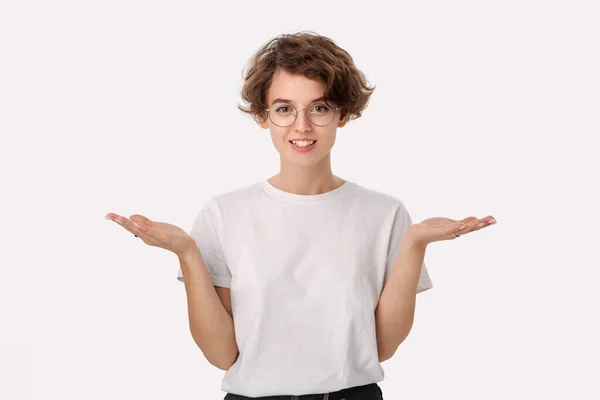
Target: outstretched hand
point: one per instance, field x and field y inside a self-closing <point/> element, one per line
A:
<point x="153" y="233"/>
<point x="437" y="229"/>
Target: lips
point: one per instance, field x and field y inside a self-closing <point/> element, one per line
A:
<point x="303" y="149"/>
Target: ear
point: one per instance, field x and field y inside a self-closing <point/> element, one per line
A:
<point x="262" y="122"/>
<point x="343" y="121"/>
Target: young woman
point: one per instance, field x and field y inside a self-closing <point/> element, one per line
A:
<point x="301" y="284"/>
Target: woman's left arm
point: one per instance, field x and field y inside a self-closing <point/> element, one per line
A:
<point x="395" y="311"/>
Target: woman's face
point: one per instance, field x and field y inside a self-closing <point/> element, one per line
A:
<point x="301" y="92"/>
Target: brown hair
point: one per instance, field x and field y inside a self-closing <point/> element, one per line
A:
<point x="314" y="56"/>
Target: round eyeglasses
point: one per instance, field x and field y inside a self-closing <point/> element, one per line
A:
<point x="285" y="114"/>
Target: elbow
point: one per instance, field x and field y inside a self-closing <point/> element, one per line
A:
<point x="384" y="352"/>
<point x="222" y="358"/>
<point x="221" y="365"/>
<point x="225" y="362"/>
<point x="385" y="355"/>
<point x="387" y="350"/>
<point x="219" y="353"/>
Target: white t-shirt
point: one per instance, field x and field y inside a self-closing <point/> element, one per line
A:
<point x="305" y="273"/>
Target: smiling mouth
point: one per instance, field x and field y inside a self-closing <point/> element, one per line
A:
<point x="302" y="143"/>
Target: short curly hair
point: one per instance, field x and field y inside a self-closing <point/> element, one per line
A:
<point x="314" y="56"/>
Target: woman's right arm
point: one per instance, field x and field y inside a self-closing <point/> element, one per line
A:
<point x="210" y="322"/>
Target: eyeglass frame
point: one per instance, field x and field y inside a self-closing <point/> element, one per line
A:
<point x="298" y="111"/>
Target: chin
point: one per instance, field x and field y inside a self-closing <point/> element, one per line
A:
<point x="306" y="161"/>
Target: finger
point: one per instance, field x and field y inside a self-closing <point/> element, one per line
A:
<point x="461" y="221"/>
<point x="453" y="220"/>
<point x="453" y="231"/>
<point x="141" y="220"/>
<point x="113" y="217"/>
<point x="477" y="224"/>
<point x="126" y="223"/>
<point x="469" y="226"/>
<point x="485" y="223"/>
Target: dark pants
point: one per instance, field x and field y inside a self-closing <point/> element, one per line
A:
<point x="366" y="392"/>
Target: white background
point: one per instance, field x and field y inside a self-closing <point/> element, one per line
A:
<point x="130" y="107"/>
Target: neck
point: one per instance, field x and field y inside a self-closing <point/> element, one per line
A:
<point x="312" y="180"/>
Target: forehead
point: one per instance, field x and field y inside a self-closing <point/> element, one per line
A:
<point x="297" y="88"/>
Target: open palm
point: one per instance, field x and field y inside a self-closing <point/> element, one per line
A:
<point x="154" y="233"/>
<point x="439" y="228"/>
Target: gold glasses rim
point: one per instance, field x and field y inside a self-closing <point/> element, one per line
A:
<point x="298" y="110"/>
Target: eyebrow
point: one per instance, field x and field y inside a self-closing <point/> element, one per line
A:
<point x="289" y="101"/>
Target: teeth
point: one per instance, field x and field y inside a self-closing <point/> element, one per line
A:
<point x="303" y="143"/>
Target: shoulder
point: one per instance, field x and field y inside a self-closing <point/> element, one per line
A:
<point x="231" y="199"/>
<point x="377" y="198"/>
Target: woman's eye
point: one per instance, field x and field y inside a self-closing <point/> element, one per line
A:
<point x="320" y="108"/>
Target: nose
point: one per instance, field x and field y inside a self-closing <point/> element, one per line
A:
<point x="302" y="124"/>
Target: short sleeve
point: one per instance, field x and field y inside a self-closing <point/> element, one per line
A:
<point x="402" y="220"/>
<point x="205" y="234"/>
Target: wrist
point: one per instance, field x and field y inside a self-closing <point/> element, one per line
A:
<point x="189" y="252"/>
<point x="412" y="241"/>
